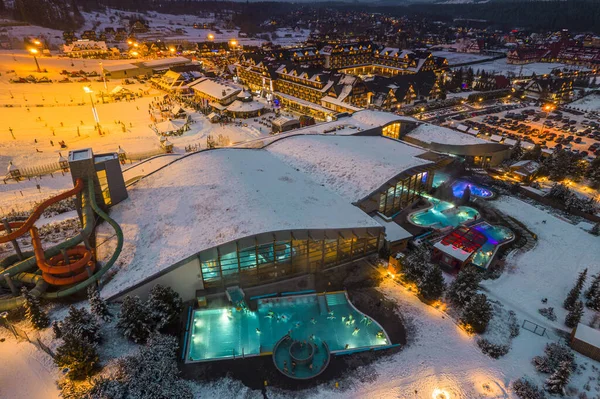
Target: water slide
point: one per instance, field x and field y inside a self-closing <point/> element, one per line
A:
<point x="56" y="269"/>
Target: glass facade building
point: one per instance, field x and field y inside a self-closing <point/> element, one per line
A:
<point x="299" y="253"/>
<point x="403" y="193"/>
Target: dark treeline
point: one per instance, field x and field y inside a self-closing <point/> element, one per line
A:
<point x="576" y="15"/>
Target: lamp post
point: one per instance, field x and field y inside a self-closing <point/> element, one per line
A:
<point x="103" y="77"/>
<point x="33" y="52"/>
<point x="96" y="119"/>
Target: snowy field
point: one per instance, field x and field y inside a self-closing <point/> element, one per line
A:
<point x="46" y="112"/>
<point x="589" y="103"/>
<point x="162" y="26"/>
<point x="502" y="67"/>
<point x="459" y="58"/>
<point x="25" y="371"/>
<point x="548" y="270"/>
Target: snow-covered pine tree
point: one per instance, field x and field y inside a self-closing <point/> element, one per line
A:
<point x="34" y="313"/>
<point x="98" y="306"/>
<point x="463" y="287"/>
<point x="573" y="295"/>
<point x="135" y="321"/>
<point x="477" y="313"/>
<point x="80" y="324"/>
<point x="595" y="229"/>
<point x="557" y="382"/>
<point x="150" y="373"/>
<point x="432" y="285"/>
<point x="594" y="286"/>
<point x="56" y="329"/>
<point x="554" y="354"/>
<point x="416" y="263"/>
<point x="525" y="389"/>
<point x="164" y="305"/>
<point x="574" y="316"/>
<point x="78" y="355"/>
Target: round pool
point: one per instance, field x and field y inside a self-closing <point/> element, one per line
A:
<point x="301" y="353"/>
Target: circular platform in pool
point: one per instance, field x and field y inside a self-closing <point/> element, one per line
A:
<point x="301" y="360"/>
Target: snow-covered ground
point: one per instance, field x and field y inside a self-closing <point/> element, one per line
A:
<point x="427" y="133"/>
<point x="25" y="371"/>
<point x="502" y="67"/>
<point x="549" y="269"/>
<point x="162" y="26"/>
<point x="454" y="57"/>
<point x="43" y="114"/>
<point x="589" y="103"/>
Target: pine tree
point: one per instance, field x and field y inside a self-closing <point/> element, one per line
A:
<point x="56" y="329"/>
<point x="558" y="381"/>
<point x="596" y="229"/>
<point x="592" y="295"/>
<point x="573" y="295"/>
<point x="33" y="311"/>
<point x="150" y="373"/>
<point x="80" y="324"/>
<point x="165" y="306"/>
<point x="517" y="152"/>
<point x="554" y="355"/>
<point x="463" y="287"/>
<point x="466" y="197"/>
<point x="574" y="316"/>
<point x="477" y="313"/>
<point x="135" y="320"/>
<point x="78" y="355"/>
<point x="525" y="389"/>
<point x="432" y="286"/>
<point x="97" y="305"/>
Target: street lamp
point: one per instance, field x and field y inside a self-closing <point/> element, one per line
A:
<point x="211" y="36"/>
<point x="172" y="50"/>
<point x="94" y="112"/>
<point x="33" y="52"/>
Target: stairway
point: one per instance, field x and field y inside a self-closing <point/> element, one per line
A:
<point x="336" y="299"/>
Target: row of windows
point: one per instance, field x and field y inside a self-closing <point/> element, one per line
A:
<point x="402" y="194"/>
<point x="281" y="259"/>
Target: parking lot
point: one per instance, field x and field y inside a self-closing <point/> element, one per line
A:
<point x="550" y="128"/>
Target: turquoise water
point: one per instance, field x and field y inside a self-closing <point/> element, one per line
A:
<point x="225" y="333"/>
<point x="319" y="360"/>
<point x="439" y="178"/>
<point x="496" y="236"/>
<point x="443" y="214"/>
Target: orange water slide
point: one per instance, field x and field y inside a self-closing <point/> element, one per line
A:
<point x="20" y="228"/>
<point x="58" y="270"/>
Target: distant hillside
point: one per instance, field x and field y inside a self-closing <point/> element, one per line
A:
<point x="57" y="14"/>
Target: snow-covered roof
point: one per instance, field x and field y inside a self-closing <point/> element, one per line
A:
<point x="241" y="106"/>
<point x="166" y="61"/>
<point x="169" y="126"/>
<point x="527" y="145"/>
<point x="379" y="118"/>
<point x="119" y="67"/>
<point x="427" y="133"/>
<point x="510" y="142"/>
<point x="352" y="166"/>
<point x="214" y="89"/>
<point x="393" y="231"/>
<point x="214" y="197"/>
<point x="588" y="335"/>
<point x="496" y="137"/>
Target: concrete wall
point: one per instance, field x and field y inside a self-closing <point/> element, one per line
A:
<point x="185" y="280"/>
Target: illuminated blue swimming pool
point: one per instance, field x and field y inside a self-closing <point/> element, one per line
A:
<point x="496" y="236"/>
<point x="227" y="333"/>
<point x="459" y="187"/>
<point x="443" y="214"/>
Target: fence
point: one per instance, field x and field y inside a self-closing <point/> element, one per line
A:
<point x="138" y="156"/>
<point x="19" y="333"/>
<point x="40" y="170"/>
<point x="534" y="328"/>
